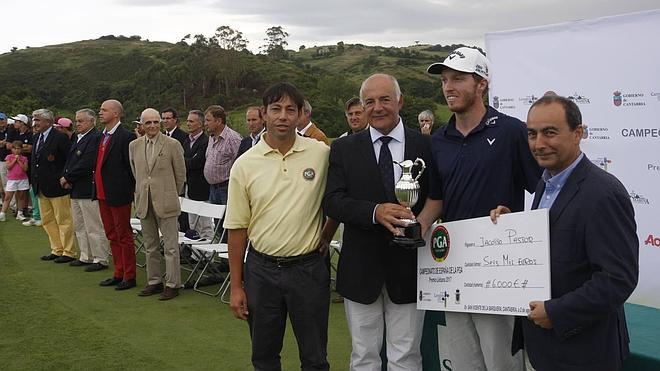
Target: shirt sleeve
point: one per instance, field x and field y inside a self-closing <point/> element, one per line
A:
<point x="238" y="212"/>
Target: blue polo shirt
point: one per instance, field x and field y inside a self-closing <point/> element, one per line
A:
<point x="490" y="166"/>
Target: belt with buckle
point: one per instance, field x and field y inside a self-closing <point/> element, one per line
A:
<point x="285" y="261"/>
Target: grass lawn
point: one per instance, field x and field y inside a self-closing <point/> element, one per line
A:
<point x="57" y="317"/>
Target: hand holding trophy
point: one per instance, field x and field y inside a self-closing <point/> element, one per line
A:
<point x="406" y="191"/>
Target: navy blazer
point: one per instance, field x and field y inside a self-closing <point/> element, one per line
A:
<point x="118" y="180"/>
<point x="47" y="167"/>
<point x="246" y="143"/>
<point x="594" y="254"/>
<point x="354" y="187"/>
<point x="195" y="157"/>
<point x="79" y="168"/>
<point x="179" y="135"/>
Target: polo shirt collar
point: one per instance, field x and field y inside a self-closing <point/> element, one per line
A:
<point x="488" y="120"/>
<point x="299" y="145"/>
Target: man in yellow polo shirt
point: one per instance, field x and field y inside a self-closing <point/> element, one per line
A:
<point x="275" y="193"/>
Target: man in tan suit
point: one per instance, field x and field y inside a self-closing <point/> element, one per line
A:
<point x="307" y="128"/>
<point x="160" y="172"/>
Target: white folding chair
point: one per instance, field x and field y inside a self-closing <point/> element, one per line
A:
<point x="205" y="251"/>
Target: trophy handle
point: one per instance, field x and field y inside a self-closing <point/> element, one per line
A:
<point x="421" y="162"/>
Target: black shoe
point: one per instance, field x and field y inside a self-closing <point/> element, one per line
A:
<point x="96" y="267"/>
<point x="125" y="285"/>
<point x="110" y="282"/>
<point x="78" y="263"/>
<point x="49" y="257"/>
<point x="64" y="259"/>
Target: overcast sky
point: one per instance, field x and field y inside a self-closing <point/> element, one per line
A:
<point x="373" y="22"/>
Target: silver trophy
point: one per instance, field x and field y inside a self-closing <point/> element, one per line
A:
<point x="406" y="191"/>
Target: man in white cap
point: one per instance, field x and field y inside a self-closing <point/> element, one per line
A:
<point x="480" y="159"/>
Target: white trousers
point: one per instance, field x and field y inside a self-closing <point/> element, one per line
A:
<point x="402" y="324"/>
<point x="92" y="242"/>
<point x="479" y="342"/>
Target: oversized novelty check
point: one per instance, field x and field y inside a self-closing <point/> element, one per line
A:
<point x="476" y="266"/>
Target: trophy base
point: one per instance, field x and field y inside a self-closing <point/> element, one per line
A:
<point x="412" y="237"/>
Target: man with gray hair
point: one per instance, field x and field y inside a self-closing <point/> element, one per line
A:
<point x="307" y="128"/>
<point x="48" y="160"/>
<point x="377" y="278"/>
<point x="78" y="175"/>
<point x="159" y="169"/>
<point x="425" y="120"/>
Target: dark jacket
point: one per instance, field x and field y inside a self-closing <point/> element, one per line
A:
<point x="47" y="167"/>
<point x="594" y="254"/>
<point x="79" y="167"/>
<point x="118" y="181"/>
<point x="198" y="187"/>
<point x="353" y="189"/>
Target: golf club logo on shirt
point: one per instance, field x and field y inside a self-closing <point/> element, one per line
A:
<point x="490" y="141"/>
<point x="309" y="173"/>
<point x="491" y="121"/>
<point x="440" y="243"/>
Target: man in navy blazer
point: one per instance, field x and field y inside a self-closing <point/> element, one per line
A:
<point x="594" y="250"/>
<point x="377" y="279"/>
<point x="114" y="187"/>
<point x="78" y="176"/>
<point x="48" y="159"/>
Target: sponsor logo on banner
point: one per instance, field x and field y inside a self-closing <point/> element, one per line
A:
<point x="602" y="162"/>
<point x="424" y="296"/>
<point x="628" y="99"/>
<point x="440" y="244"/>
<point x="528" y="100"/>
<point x="652" y="240"/>
<point x="656" y="95"/>
<point x="503" y="103"/>
<point x="638" y="199"/>
<point x="596" y="133"/>
<point x="655" y="168"/>
<point x="579" y="99"/>
<point x="640" y="133"/>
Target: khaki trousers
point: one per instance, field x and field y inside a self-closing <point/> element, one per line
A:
<point x="92" y="243"/>
<point x="170" y="231"/>
<point x="56" y="221"/>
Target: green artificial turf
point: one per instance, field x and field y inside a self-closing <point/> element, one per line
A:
<point x="57" y="317"/>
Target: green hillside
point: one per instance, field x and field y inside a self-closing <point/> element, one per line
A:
<point x="143" y="74"/>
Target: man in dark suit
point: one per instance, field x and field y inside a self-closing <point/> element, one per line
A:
<point x="194" y="154"/>
<point x="594" y="250"/>
<point x="256" y="126"/>
<point x="170" y="119"/>
<point x="377" y="279"/>
<point x="48" y="159"/>
<point x="78" y="177"/>
<point x="114" y="188"/>
<point x="171" y="125"/>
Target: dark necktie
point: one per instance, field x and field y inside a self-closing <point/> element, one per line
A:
<point x="386" y="167"/>
<point x="40" y="145"/>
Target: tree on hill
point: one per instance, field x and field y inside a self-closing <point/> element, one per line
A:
<point x="276" y="42"/>
<point x="230" y="39"/>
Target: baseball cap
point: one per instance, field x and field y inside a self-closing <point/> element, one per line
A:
<point x="3" y="116"/>
<point x="63" y="122"/>
<point x="10" y="121"/>
<point x="22" y="118"/>
<point x="463" y="59"/>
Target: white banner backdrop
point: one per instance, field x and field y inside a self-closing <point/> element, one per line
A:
<point x="610" y="67"/>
